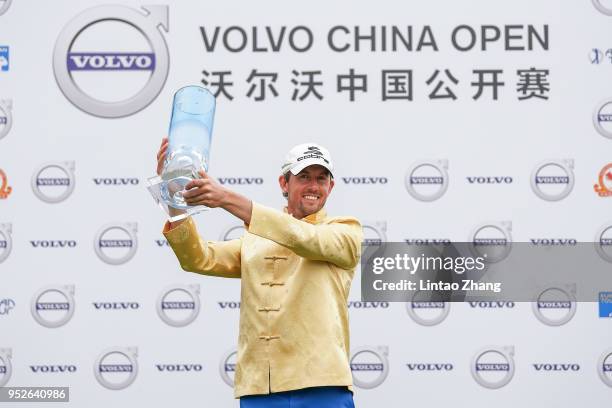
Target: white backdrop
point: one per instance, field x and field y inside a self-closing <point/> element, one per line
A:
<point x="115" y="305"/>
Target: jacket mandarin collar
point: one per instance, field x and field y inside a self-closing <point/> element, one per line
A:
<point x="314" y="218"/>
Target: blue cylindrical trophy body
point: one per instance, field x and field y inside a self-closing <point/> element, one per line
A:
<point x="189" y="139"/>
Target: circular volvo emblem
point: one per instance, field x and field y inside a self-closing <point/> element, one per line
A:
<point x="370" y="366"/>
<point x="374" y="238"/>
<point x="4" y="5"/>
<point x="603" y="243"/>
<point x="553" y="180"/>
<point x="85" y="63"/>
<point x="53" y="182"/>
<point x="53" y="306"/>
<point x="6" y="243"/>
<point x="555" y="306"/>
<point x="227" y="367"/>
<point x="233" y="232"/>
<point x="602" y="9"/>
<point x="426" y="310"/>
<point x="604" y="367"/>
<point x="602" y="118"/>
<point x="179" y="305"/>
<point x="5" y="366"/>
<point x="6" y="117"/>
<point x="374" y="233"/>
<point x="492" y="241"/>
<point x="116" y="368"/>
<point x="427" y="180"/>
<point x="493" y="367"/>
<point x="116" y="244"/>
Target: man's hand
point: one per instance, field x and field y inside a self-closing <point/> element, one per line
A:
<point x="161" y="155"/>
<point x="205" y="191"/>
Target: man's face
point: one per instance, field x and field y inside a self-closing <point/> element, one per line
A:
<point x="308" y="191"/>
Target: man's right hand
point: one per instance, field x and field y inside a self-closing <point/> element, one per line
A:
<point x="161" y="155"/>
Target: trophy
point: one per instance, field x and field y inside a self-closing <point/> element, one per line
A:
<point x="188" y="151"/>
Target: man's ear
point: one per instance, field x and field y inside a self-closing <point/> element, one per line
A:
<point x="283" y="183"/>
<point x="331" y="185"/>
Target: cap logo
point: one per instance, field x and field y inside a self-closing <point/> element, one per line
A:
<point x="313" y="152"/>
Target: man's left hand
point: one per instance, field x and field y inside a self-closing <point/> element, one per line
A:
<point x="205" y="191"/>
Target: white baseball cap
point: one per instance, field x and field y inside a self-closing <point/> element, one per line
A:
<point x="304" y="155"/>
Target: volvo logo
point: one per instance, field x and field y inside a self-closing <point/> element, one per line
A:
<point x="370" y="366"/>
<point x="425" y="310"/>
<point x="357" y="304"/>
<point x="489" y="179"/>
<point x="604" y="367"/>
<point x="547" y="242"/>
<point x="54" y="181"/>
<point x="365" y="180"/>
<point x="229" y="305"/>
<point x="493" y="367"/>
<point x="45" y="369"/>
<point x="491" y="240"/>
<point x="227" y="367"/>
<point x="430" y="366"/>
<point x="53" y="306"/>
<point x="116" y="244"/>
<point x="240" y="180"/>
<point x="233" y="232"/>
<point x="178" y="368"/>
<point x="602" y="118"/>
<point x="556" y="367"/>
<point x="4" y="5"/>
<point x="374" y="232"/>
<point x="374" y="238"/>
<point x="116" y="305"/>
<point x="162" y="242"/>
<point x="116" y="181"/>
<point x="81" y="63"/>
<point x="485" y="304"/>
<point x="553" y="180"/>
<point x="5" y="366"/>
<point x="179" y="305"/>
<point x="555" y="306"/>
<point x="427" y="241"/>
<point x="6" y="117"/>
<point x="602" y="9"/>
<point x="427" y="180"/>
<point x="53" y="243"/>
<point x="6" y="243"/>
<point x="603" y="243"/>
<point x="116" y="368"/>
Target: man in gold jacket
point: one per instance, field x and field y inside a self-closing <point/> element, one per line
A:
<point x="296" y="269"/>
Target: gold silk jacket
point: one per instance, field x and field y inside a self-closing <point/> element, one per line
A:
<point x="295" y="280"/>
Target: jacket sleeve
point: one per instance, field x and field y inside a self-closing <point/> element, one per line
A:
<point x="213" y="258"/>
<point x="338" y="241"/>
